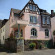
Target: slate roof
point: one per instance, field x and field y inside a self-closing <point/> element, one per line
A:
<point x="15" y="10"/>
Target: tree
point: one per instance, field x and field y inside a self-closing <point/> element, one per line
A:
<point x="54" y="36"/>
<point x="54" y="32"/>
<point x="11" y="35"/>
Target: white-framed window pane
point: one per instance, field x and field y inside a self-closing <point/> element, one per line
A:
<point x="31" y="18"/>
<point x="46" y="32"/>
<point x="34" y="8"/>
<point x="34" y="20"/>
<point x="48" y="20"/>
<point x="30" y="7"/>
<point x="43" y="20"/>
<point x="33" y="32"/>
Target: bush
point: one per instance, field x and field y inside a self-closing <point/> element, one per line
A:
<point x="32" y="46"/>
<point x="40" y="46"/>
<point x="54" y="32"/>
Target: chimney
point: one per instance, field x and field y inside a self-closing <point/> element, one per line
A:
<point x="52" y="13"/>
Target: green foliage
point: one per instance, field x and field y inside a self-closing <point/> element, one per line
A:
<point x="11" y="35"/>
<point x="32" y="45"/>
<point x="54" y="32"/>
<point x="46" y="43"/>
<point x="40" y="45"/>
<point x="50" y="44"/>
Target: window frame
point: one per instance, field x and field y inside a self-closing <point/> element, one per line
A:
<point x="33" y="32"/>
<point x="34" y="19"/>
<point x="46" y="33"/>
<point x="46" y="20"/>
<point x="34" y="8"/>
<point x="31" y="7"/>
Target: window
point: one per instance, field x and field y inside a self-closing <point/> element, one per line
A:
<point x="48" y="20"/>
<point x="46" y="32"/>
<point x="21" y="33"/>
<point x="44" y="20"/>
<point x="30" y="7"/>
<point x="33" y="19"/>
<point x="34" y="8"/>
<point x="33" y="32"/>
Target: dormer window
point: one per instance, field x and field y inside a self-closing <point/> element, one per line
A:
<point x="46" y="20"/>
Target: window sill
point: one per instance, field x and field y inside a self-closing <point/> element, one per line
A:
<point x="33" y="36"/>
<point x="32" y="23"/>
<point x="46" y="36"/>
<point x="46" y="24"/>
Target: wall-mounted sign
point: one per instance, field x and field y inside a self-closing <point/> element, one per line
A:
<point x="33" y="25"/>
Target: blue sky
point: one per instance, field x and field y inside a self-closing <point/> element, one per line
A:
<point x="6" y="5"/>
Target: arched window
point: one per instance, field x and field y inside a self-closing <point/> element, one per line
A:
<point x="33" y="32"/>
<point x="46" y="32"/>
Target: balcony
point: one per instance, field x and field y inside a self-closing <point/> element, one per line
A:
<point x="21" y="22"/>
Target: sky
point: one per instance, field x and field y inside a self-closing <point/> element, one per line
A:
<point x="6" y="5"/>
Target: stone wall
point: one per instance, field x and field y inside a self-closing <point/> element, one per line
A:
<point x="20" y="45"/>
<point x="44" y="44"/>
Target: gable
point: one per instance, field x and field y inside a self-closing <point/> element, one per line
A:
<point x="31" y="4"/>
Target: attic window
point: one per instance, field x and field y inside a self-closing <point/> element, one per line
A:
<point x="30" y="7"/>
<point x="34" y="8"/>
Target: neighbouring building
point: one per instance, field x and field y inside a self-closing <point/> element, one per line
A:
<point x="53" y="23"/>
<point x="1" y="23"/>
<point x="31" y="23"/>
<point x="0" y="28"/>
<point x="4" y="30"/>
